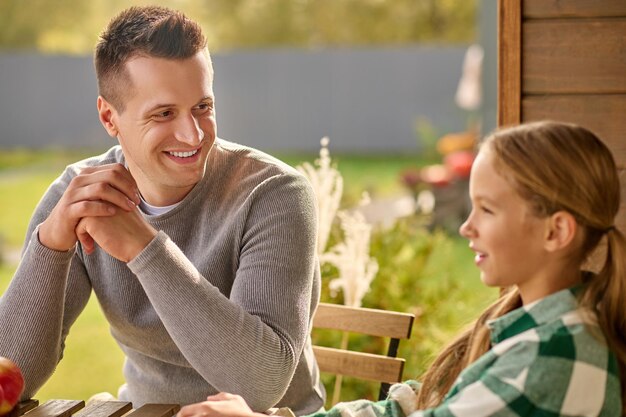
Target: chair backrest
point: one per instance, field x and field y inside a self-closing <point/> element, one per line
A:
<point x="382" y="368"/>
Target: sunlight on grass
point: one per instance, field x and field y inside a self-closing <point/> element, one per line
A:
<point x="92" y="360"/>
<point x="23" y="191"/>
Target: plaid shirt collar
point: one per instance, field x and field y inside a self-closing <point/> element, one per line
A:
<point x="537" y="313"/>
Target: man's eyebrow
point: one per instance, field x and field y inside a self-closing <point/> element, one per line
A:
<point x="158" y="106"/>
<point x="207" y="98"/>
<point x="163" y="105"/>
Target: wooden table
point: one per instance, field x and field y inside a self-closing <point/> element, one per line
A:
<point x="76" y="408"/>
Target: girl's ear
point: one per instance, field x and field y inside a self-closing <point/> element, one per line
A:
<point x="106" y="113"/>
<point x="560" y="231"/>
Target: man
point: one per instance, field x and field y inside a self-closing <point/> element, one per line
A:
<point x="201" y="252"/>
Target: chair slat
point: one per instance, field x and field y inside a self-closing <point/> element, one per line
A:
<point x="364" y="320"/>
<point x="360" y="365"/>
<point x="155" y="410"/>
<point x="105" y="409"/>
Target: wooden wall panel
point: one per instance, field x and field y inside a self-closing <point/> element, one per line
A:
<point x="571" y="67"/>
<point x="574" y="56"/>
<point x="509" y="62"/>
<point x="620" y="219"/>
<point x="605" y="115"/>
<point x="573" y="8"/>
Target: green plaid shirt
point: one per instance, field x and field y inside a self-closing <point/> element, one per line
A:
<point x="547" y="358"/>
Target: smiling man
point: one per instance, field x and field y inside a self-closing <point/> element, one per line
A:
<point x="200" y="251"/>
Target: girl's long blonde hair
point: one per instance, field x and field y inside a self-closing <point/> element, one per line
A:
<point x="554" y="166"/>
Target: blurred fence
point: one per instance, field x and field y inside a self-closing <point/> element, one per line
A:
<point x="366" y="100"/>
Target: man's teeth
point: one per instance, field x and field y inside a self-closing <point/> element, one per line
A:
<point x="183" y="154"/>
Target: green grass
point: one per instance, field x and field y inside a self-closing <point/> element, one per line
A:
<point x="44" y="159"/>
<point x="92" y="361"/>
<point x="21" y="191"/>
<point x="433" y="274"/>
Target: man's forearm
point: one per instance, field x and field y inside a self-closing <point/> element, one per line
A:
<point x="234" y="350"/>
<point x="32" y="311"/>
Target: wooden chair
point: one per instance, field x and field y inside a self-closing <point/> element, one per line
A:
<point x="386" y="369"/>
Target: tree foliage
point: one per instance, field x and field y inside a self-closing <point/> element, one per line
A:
<point x="72" y="26"/>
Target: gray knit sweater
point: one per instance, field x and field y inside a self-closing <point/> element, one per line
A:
<point x="220" y="300"/>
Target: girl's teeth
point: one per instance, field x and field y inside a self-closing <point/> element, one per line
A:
<point x="183" y="154"/>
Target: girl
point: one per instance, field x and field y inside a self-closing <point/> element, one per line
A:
<point x="544" y="196"/>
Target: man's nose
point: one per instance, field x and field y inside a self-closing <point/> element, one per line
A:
<point x="188" y="130"/>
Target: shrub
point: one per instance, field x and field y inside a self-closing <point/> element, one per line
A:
<point x="429" y="274"/>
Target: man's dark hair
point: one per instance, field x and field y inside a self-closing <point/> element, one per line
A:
<point x="150" y="31"/>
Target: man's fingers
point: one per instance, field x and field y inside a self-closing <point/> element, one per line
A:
<point x="86" y="241"/>
<point x="95" y="192"/>
<point x="114" y="175"/>
<point x="91" y="209"/>
<point x="105" y="192"/>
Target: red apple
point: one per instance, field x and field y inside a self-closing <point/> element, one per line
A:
<point x="11" y="385"/>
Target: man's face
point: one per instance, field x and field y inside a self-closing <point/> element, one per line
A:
<point x="168" y="125"/>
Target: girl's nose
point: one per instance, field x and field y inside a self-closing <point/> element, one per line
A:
<point x="466" y="230"/>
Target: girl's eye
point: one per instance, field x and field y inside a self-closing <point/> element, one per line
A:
<point x="485" y="210"/>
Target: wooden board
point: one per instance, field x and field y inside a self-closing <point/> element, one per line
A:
<point x="509" y="62"/>
<point x="573" y="8"/>
<point x="56" y="408"/>
<point x="364" y="320"/>
<point x="105" y="409"/>
<point x="605" y="115"/>
<point x="26" y="406"/>
<point x="620" y="220"/>
<point x="155" y="410"/>
<point x="574" y="56"/>
<point x="359" y="365"/>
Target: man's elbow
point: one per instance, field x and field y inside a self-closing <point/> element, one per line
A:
<point x="266" y="392"/>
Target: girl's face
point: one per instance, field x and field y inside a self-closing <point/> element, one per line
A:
<point x="506" y="237"/>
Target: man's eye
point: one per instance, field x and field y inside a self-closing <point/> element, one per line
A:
<point x="164" y="114"/>
<point x="204" y="107"/>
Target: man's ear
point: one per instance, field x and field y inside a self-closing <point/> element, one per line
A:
<point x="106" y="113"/>
<point x="561" y="230"/>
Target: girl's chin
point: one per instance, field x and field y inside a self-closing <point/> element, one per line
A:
<point x="489" y="281"/>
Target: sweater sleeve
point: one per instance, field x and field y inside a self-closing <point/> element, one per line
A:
<point x="45" y="296"/>
<point x="247" y="342"/>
